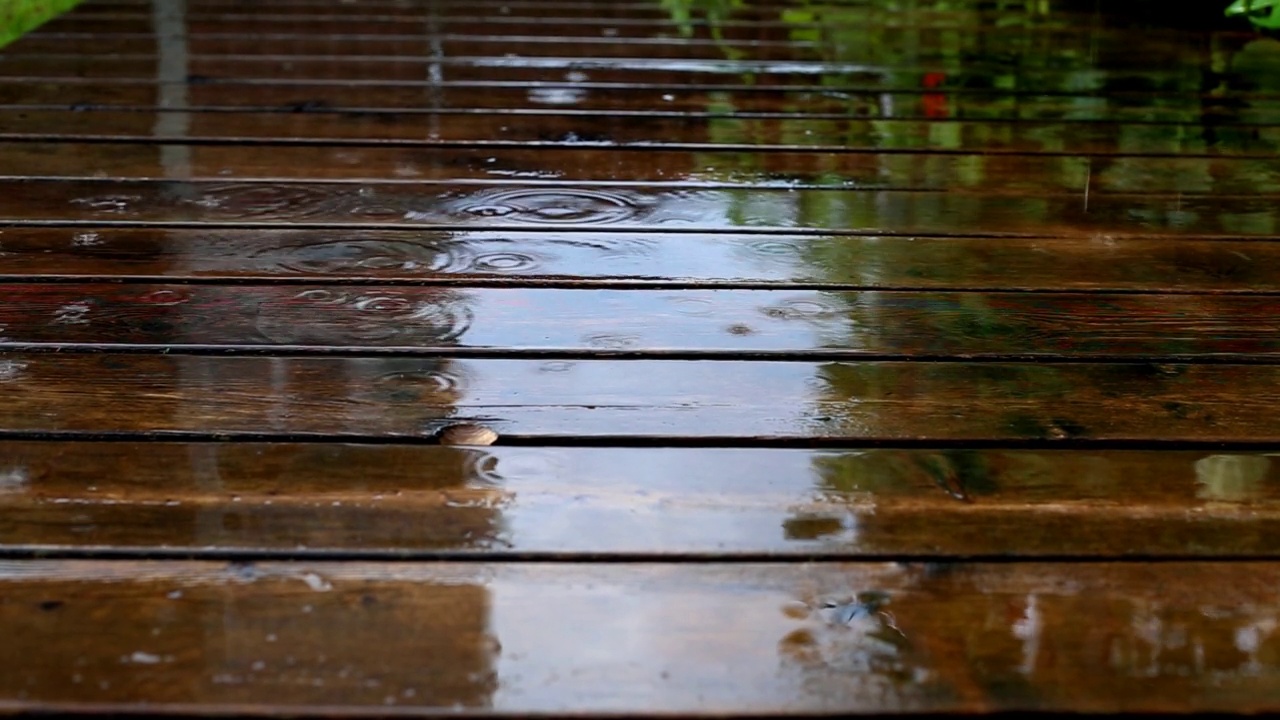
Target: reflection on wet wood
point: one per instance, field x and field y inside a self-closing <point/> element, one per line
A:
<point x="1224" y="106"/>
<point x="323" y="638"/>
<point x="1012" y="174"/>
<point x="519" y="206"/>
<point x="613" y="70"/>
<point x="582" y="259"/>
<point x="534" y="400"/>
<point x="982" y="295"/>
<point x="837" y="135"/>
<point x="734" y="322"/>
<point x="874" y="18"/>
<point x="466" y="39"/>
<point x="304" y="499"/>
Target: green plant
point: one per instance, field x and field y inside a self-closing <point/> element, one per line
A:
<point x="18" y="17"/>
<point x="1263" y="13"/>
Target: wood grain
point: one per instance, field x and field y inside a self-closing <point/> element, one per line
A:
<point x="656" y="133"/>
<point x="734" y="323"/>
<point x="470" y="38"/>
<point x="329" y="639"/>
<point x="624" y="70"/>
<point x="308" y="500"/>
<point x="1011" y="174"/>
<point x="1224" y="107"/>
<point x="654" y="400"/>
<point x="581" y="259"/>
<point x="445" y="206"/>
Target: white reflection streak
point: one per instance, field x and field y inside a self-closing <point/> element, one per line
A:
<point x="169" y="18"/>
<point x="1027" y="629"/>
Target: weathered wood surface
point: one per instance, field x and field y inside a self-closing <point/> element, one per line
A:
<point x="443" y="205"/>
<point x="627" y="400"/>
<point x="578" y="98"/>
<point x="712" y="322"/>
<point x="848" y="358"/>
<point x="580" y="259"/>
<point x="427" y="501"/>
<point x="591" y="166"/>
<point x="464" y="39"/>
<point x="629" y="70"/>
<point x="324" y="638"/>
<point x="656" y="133"/>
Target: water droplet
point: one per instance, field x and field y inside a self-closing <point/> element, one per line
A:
<point x="312" y="255"/>
<point x="504" y="262"/>
<point x="143" y="658"/>
<point x="557" y="95"/>
<point x="693" y="305"/>
<point x="467" y="434"/>
<point x="422" y="384"/>
<point x="567" y="206"/>
<point x="11" y="369"/>
<point x="802" y="309"/>
<point x="315" y="582"/>
<point x="796" y="610"/>
<point x="275" y="201"/>
<point x="166" y="297"/>
<point x="72" y="313"/>
<point x="108" y="204"/>
<point x="775" y="247"/>
<point x="604" y="341"/>
<point x="14" y="479"/>
<point x="425" y="317"/>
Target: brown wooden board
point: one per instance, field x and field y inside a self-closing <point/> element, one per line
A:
<point x="399" y="501"/>
<point x="337" y="639"/>
<point x="579" y="259"/>
<point x="602" y="167"/>
<point x="599" y="400"/>
<point x="650" y="133"/>
<point x="565" y="97"/>
<point x="732" y="323"/>
<point x="442" y="205"/>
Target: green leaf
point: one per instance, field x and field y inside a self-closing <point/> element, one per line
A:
<point x="19" y="17"/>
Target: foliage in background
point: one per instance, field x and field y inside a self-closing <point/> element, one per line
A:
<point x="1263" y="13"/>
<point x="19" y="17"/>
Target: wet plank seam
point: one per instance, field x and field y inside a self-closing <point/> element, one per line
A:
<point x="646" y="441"/>
<point x="630" y="229"/>
<point x="640" y="146"/>
<point x="568" y="282"/>
<point x="494" y="353"/>
<point x="248" y="555"/>
<point x="341" y="110"/>
<point x="762" y="89"/>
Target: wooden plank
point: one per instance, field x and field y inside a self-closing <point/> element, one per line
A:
<point x="801" y="323"/>
<point x="602" y="7"/>
<point x="722" y="259"/>
<point x="978" y="51"/>
<point x="650" y="400"/>
<point x="222" y="21"/>
<point x="657" y="169"/>
<point x="846" y="135"/>
<point x="624" y="70"/>
<point x="427" y="501"/>
<point x="329" y="639"/>
<point x="445" y="206"/>
<point x="571" y="98"/>
<point x="977" y="13"/>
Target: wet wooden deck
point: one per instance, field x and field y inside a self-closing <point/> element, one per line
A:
<point x="857" y="357"/>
